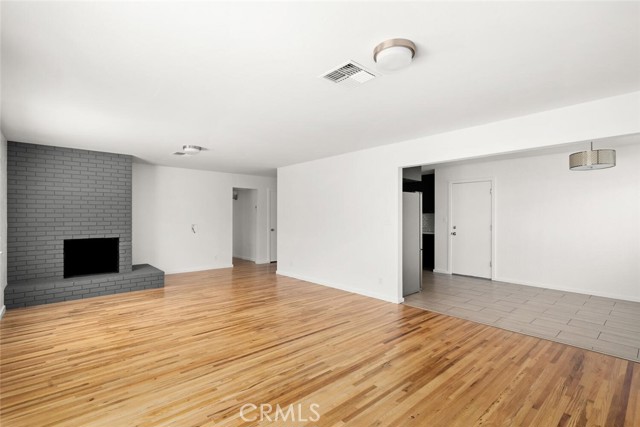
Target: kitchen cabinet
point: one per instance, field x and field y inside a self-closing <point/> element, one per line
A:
<point x="428" y="193"/>
<point x="428" y="251"/>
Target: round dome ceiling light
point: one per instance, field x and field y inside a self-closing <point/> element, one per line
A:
<point x="394" y="54"/>
<point x="191" y="149"/>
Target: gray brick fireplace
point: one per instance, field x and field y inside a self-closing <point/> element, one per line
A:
<point x="57" y="194"/>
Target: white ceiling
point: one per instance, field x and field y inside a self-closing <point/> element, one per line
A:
<point x="566" y="149"/>
<point x="242" y="78"/>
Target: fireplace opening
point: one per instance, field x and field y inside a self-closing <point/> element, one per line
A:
<point x="91" y="256"/>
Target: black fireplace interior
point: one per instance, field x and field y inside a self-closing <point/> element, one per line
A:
<point x="91" y="256"/>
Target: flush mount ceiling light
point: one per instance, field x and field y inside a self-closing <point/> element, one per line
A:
<point x="189" y="150"/>
<point x="394" y="54"/>
<point x="592" y="159"/>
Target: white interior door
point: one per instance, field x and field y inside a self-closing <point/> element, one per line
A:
<point x="470" y="228"/>
<point x="273" y="221"/>
<point x="411" y="243"/>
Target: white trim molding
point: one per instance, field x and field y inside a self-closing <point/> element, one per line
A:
<point x="565" y="289"/>
<point x="198" y="269"/>
<point x="340" y="286"/>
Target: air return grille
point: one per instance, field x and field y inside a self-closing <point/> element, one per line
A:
<point x="349" y="74"/>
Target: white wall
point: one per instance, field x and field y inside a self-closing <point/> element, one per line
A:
<point x="166" y="201"/>
<point x="555" y="228"/>
<point x="244" y="224"/>
<point x="339" y="217"/>
<point x="3" y="220"/>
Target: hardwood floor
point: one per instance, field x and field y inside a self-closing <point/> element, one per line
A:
<point x="212" y="343"/>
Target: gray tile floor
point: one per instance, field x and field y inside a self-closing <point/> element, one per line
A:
<point x="600" y="324"/>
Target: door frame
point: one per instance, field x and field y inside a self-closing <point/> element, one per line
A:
<point x="491" y="180"/>
<point x="255" y="222"/>
<point x="269" y="193"/>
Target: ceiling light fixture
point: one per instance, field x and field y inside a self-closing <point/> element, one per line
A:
<point x="394" y="54"/>
<point x="189" y="150"/>
<point x="592" y="159"/>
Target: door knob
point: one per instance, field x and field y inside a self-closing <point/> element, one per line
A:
<point x="453" y="233"/>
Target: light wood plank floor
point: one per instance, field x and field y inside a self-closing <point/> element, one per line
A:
<point x="195" y="352"/>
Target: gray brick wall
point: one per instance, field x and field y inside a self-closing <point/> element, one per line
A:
<point x="61" y="193"/>
<point x="46" y="291"/>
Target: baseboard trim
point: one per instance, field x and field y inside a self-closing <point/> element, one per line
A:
<point x="339" y="286"/>
<point x="556" y="288"/>
<point x="197" y="269"/>
<point x="563" y="289"/>
<point x="2" y="311"/>
<point x="256" y="260"/>
<point x="245" y="258"/>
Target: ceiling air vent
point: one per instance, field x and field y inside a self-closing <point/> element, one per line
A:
<point x="349" y="74"/>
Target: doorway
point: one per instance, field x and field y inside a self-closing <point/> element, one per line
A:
<point x="418" y="249"/>
<point x="245" y="214"/>
<point x="471" y="228"/>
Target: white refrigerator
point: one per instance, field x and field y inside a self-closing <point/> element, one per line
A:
<point x="411" y="243"/>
